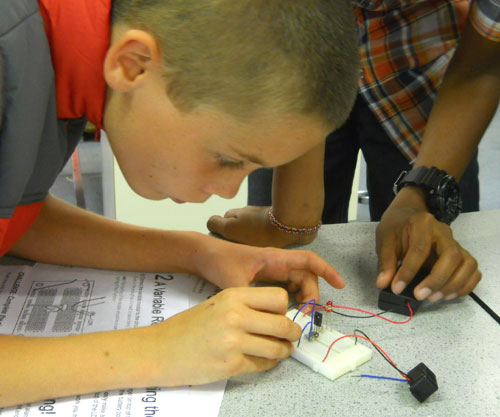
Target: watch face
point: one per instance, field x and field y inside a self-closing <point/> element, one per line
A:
<point x="446" y="201"/>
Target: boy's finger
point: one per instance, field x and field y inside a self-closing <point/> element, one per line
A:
<point x="307" y="260"/>
<point x="273" y="325"/>
<point x="223" y="226"/>
<point x="471" y="283"/>
<point x="255" y="364"/>
<point x="387" y="261"/>
<point x="447" y="264"/>
<point x="458" y="280"/>
<point x="270" y="299"/>
<point x="266" y="347"/>
<point x="309" y="288"/>
<point x="215" y="224"/>
<point x="419" y="248"/>
<point x="293" y="287"/>
<point x="231" y="213"/>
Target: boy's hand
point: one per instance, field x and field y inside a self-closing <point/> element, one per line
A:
<point x="229" y="264"/>
<point x="413" y="235"/>
<point x="250" y="225"/>
<point x="237" y="331"/>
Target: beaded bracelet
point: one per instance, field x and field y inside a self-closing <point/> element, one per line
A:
<point x="290" y="229"/>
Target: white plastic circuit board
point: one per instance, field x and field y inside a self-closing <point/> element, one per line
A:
<point x="345" y="355"/>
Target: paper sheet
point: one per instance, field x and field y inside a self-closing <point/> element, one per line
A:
<point x="47" y="300"/>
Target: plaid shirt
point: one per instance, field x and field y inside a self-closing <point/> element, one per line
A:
<point x="485" y="17"/>
<point x="406" y="46"/>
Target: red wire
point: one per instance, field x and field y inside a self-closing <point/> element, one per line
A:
<point x="372" y="342"/>
<point x="368" y="312"/>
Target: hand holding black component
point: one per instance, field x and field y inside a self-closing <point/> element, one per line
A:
<point x="410" y="234"/>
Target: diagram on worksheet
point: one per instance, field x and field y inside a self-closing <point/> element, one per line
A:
<point x="54" y="307"/>
<point x="54" y="301"/>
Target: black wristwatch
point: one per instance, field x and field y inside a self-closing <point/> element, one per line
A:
<point x="443" y="197"/>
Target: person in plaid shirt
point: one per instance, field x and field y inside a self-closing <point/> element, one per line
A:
<point x="405" y="48"/>
<point x="468" y="99"/>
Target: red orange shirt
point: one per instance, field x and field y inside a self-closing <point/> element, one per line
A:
<point x="78" y="35"/>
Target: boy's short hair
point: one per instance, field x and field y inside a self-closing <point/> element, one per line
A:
<point x="242" y="56"/>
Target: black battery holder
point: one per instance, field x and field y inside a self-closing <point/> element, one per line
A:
<point x="398" y="303"/>
<point x="423" y="382"/>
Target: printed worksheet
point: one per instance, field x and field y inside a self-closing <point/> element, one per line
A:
<point x="48" y="300"/>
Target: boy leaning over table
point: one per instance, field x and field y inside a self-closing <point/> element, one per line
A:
<point x="193" y="96"/>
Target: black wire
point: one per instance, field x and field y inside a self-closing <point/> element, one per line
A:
<point x="295" y="305"/>
<point x="485" y="307"/>
<point x="360" y="317"/>
<point x="379" y="351"/>
<point x="345" y="315"/>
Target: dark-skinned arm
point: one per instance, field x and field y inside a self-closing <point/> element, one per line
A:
<point x="467" y="100"/>
<point x="298" y="198"/>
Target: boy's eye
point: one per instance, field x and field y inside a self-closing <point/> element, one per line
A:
<point x="226" y="162"/>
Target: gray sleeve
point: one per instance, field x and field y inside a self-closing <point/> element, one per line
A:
<point x="2" y="103"/>
<point x="32" y="149"/>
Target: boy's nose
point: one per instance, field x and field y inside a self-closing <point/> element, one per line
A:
<point x="226" y="189"/>
<point x="229" y="191"/>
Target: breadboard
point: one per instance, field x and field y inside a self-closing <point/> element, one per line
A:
<point x="344" y="357"/>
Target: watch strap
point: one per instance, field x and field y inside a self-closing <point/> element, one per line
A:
<point x="420" y="176"/>
<point x="442" y="192"/>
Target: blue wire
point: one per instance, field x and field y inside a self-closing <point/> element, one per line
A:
<point x="307" y="324"/>
<point x="300" y="309"/>
<point x="312" y="318"/>
<point x="383" y="377"/>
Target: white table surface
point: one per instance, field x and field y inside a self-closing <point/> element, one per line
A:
<point x="479" y="233"/>
<point x="457" y="340"/>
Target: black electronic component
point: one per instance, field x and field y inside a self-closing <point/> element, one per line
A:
<point x="422" y="382"/>
<point x="318" y="319"/>
<point x="398" y="303"/>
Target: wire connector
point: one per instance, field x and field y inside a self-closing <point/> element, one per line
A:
<point x="422" y="382"/>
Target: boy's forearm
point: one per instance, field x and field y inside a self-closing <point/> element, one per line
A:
<point x="64" y="234"/>
<point x="298" y="189"/>
<point x="34" y="369"/>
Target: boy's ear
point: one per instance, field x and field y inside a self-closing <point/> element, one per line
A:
<point x="129" y="59"/>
